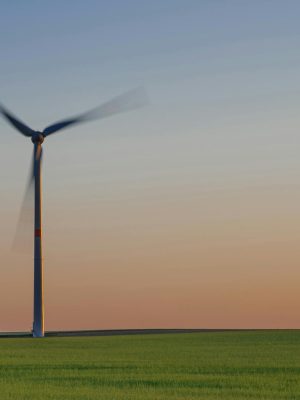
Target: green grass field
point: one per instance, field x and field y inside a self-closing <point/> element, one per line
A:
<point x="229" y="365"/>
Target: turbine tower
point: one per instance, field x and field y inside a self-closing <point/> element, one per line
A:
<point x="128" y="101"/>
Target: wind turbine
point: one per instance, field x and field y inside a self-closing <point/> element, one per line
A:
<point x="128" y="101"/>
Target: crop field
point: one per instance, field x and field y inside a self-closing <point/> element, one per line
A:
<point x="219" y="365"/>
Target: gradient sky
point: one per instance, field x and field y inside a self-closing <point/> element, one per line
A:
<point x="183" y="214"/>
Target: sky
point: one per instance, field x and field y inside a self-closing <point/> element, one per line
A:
<point x="183" y="214"/>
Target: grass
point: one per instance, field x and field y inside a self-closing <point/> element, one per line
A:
<point x="228" y="365"/>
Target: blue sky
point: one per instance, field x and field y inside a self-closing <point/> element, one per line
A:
<point x="217" y="146"/>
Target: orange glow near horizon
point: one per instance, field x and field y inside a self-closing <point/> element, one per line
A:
<point x="217" y="260"/>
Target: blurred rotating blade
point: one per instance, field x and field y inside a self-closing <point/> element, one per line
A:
<point x="23" y="240"/>
<point x="131" y="100"/>
<point x="20" y="126"/>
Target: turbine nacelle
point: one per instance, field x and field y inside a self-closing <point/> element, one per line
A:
<point x="37" y="137"/>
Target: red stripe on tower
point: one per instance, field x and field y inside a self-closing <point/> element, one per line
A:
<point x="37" y="233"/>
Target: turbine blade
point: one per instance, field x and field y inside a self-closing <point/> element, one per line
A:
<point x="20" y="126"/>
<point x="130" y="100"/>
<point x="23" y="239"/>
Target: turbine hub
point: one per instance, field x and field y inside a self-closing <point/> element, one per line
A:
<point x="37" y="137"/>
